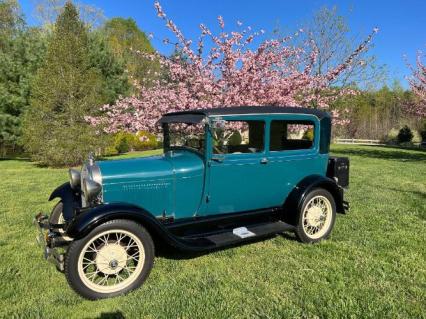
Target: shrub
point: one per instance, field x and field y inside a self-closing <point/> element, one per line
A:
<point x="124" y="142"/>
<point x="391" y="137"/>
<point x="235" y="138"/>
<point x="405" y="135"/>
<point x="423" y="131"/>
<point x="144" y="140"/>
<point x="309" y="135"/>
<point x="110" y="151"/>
<point x="416" y="137"/>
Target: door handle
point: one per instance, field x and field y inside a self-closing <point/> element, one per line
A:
<point x="264" y="161"/>
<point x="218" y="159"/>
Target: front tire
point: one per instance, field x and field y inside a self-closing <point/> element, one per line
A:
<point x="57" y="216"/>
<point x="316" y="217"/>
<point x="113" y="259"/>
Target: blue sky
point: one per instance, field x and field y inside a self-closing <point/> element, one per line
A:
<point x="402" y="24"/>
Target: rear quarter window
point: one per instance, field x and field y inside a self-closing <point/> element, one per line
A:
<point x="237" y="137"/>
<point x="288" y="135"/>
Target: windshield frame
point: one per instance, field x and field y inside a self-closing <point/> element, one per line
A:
<point x="166" y="140"/>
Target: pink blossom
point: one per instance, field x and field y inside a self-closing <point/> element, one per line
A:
<point x="221" y="22"/>
<point x="418" y="85"/>
<point x="234" y="72"/>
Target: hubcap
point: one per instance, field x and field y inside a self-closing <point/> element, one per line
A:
<point x="111" y="261"/>
<point x="112" y="255"/>
<point x="317" y="217"/>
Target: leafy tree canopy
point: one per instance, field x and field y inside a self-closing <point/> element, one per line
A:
<point x="129" y="43"/>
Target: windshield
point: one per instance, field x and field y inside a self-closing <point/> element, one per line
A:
<point x="181" y="135"/>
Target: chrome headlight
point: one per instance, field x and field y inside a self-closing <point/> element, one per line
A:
<point x="91" y="189"/>
<point x="75" y="178"/>
<point x="91" y="183"/>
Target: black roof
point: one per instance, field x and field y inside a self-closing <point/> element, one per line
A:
<point x="195" y="116"/>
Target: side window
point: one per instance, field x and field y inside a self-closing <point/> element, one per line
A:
<point x="234" y="137"/>
<point x="291" y="135"/>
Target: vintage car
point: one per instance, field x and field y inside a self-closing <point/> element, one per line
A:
<point x="227" y="176"/>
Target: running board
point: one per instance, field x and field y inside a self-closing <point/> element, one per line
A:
<point x="238" y="235"/>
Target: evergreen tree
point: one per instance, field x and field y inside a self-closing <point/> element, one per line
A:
<point x="66" y="89"/>
<point x="21" y="53"/>
<point x="112" y="68"/>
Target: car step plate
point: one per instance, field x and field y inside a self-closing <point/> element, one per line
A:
<point x="243" y="232"/>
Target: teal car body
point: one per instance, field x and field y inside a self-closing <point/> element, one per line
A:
<point x="183" y="183"/>
<point x="243" y="165"/>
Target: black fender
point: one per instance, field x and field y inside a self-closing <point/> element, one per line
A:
<point x="294" y="200"/>
<point x="69" y="198"/>
<point x="87" y="220"/>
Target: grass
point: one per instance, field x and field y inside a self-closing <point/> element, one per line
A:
<point x="373" y="266"/>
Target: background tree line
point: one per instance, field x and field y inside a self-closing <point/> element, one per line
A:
<point x="378" y="114"/>
<point x="71" y="66"/>
<point x="57" y="74"/>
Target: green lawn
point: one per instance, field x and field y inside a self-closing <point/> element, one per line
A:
<point x="373" y="266"/>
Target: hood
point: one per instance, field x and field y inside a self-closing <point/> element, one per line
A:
<point x="135" y="169"/>
<point x="153" y="182"/>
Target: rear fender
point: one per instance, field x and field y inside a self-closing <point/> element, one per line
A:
<point x="294" y="200"/>
<point x="70" y="199"/>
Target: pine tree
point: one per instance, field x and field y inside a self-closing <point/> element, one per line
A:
<point x="110" y="67"/>
<point x="21" y="53"/>
<point x="65" y="90"/>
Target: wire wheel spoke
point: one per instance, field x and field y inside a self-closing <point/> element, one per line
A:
<point x="111" y="260"/>
<point x="317" y="216"/>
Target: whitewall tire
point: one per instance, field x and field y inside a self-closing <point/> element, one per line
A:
<point x="316" y="217"/>
<point x="113" y="259"/>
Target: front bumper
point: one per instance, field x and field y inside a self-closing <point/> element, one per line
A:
<point x="50" y="240"/>
<point x="346" y="205"/>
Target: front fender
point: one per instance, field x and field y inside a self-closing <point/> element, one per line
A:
<point x="295" y="199"/>
<point x="86" y="221"/>
<point x="69" y="198"/>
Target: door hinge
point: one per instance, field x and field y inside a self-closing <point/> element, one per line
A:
<point x="207" y="198"/>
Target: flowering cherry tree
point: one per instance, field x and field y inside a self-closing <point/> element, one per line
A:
<point x="239" y="69"/>
<point x="418" y="86"/>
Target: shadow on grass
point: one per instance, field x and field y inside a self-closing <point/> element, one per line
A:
<point x="169" y="252"/>
<point x="22" y="159"/>
<point x="111" y="315"/>
<point x="385" y="152"/>
<point x="420" y="194"/>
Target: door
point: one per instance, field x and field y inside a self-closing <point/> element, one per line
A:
<point x="236" y="180"/>
<point x="292" y="154"/>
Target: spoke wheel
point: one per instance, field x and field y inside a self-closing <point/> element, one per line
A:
<point x="113" y="259"/>
<point x="61" y="219"/>
<point x="316" y="217"/>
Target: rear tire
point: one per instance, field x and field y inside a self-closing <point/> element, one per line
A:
<point x="113" y="259"/>
<point x="316" y="218"/>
